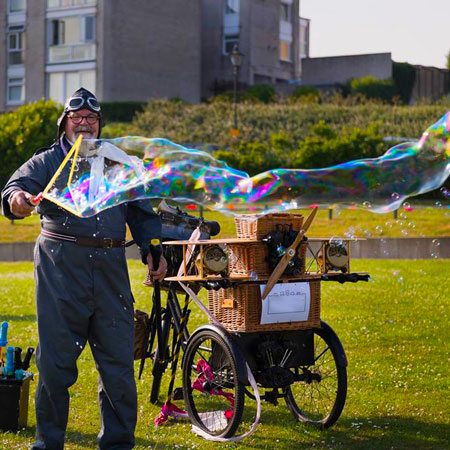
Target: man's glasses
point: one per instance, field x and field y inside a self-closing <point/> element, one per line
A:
<point x="91" y="119"/>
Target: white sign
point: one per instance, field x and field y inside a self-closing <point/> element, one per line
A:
<point x="286" y="302"/>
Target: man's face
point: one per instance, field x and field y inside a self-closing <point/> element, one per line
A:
<point x="82" y="122"/>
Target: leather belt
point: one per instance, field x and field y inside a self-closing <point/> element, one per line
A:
<point x="86" y="241"/>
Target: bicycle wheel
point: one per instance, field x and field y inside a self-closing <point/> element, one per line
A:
<point x="318" y="397"/>
<point x="213" y="394"/>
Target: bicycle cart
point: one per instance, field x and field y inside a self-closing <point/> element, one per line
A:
<point x="264" y="292"/>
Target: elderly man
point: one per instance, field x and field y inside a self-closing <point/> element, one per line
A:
<point x="82" y="288"/>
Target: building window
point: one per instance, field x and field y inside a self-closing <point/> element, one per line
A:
<point x="15" y="6"/>
<point x="16" y="89"/>
<point x="71" y="39"/>
<point x="62" y="84"/>
<point x="16" y="44"/>
<point x="230" y="26"/>
<point x="285" y="12"/>
<point x="232" y="7"/>
<point x="229" y="42"/>
<point x="69" y="3"/>
<point x="285" y="51"/>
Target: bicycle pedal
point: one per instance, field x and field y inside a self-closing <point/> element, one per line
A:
<point x="178" y="393"/>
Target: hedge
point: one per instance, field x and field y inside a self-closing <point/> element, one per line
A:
<point x="121" y="111"/>
<point x="23" y="131"/>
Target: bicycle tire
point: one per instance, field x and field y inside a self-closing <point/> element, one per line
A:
<point x="209" y="407"/>
<point x="328" y="374"/>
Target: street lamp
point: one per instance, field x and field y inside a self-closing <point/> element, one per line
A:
<point x="236" y="61"/>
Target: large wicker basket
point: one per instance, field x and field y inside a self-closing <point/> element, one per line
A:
<point x="239" y="309"/>
<point x="248" y="226"/>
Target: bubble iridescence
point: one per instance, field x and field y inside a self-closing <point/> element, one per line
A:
<point x="114" y="171"/>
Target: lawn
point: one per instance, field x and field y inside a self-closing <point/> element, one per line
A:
<point x="431" y="220"/>
<point x="395" y="332"/>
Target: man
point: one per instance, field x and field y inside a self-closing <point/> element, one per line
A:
<point x="82" y="288"/>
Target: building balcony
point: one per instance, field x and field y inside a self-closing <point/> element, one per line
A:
<point x="71" y="53"/>
<point x="63" y="4"/>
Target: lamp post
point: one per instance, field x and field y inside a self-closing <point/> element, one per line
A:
<point x="236" y="61"/>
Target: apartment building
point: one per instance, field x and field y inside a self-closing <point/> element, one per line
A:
<point x="143" y="49"/>
<point x="268" y="35"/>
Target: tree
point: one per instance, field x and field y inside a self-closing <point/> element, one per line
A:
<point x="448" y="60"/>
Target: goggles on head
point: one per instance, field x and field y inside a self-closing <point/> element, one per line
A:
<point x="76" y="103"/>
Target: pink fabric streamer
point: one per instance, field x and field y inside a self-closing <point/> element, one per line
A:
<point x="170" y="410"/>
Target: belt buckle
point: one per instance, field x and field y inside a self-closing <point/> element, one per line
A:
<point x="107" y="242"/>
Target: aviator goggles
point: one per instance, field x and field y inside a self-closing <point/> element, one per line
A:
<point x="76" y="103"/>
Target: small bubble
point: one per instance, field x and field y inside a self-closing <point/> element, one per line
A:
<point x="350" y="233"/>
<point x="407" y="206"/>
<point x="90" y="256"/>
<point x="438" y="205"/>
<point x="436" y="242"/>
<point x="253" y="275"/>
<point x="367" y="205"/>
<point x="395" y="272"/>
<point x="404" y="232"/>
<point x="388" y="224"/>
<point x="379" y="229"/>
<point x="403" y="216"/>
<point x="400" y="279"/>
<point x="411" y="225"/>
<point x="395" y="196"/>
<point x="367" y="233"/>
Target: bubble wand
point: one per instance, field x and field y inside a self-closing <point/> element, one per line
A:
<point x="35" y="200"/>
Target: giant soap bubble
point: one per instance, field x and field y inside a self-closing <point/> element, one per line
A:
<point x="100" y="174"/>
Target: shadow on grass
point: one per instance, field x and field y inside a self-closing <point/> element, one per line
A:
<point x="368" y="433"/>
<point x="87" y="440"/>
<point x="19" y="318"/>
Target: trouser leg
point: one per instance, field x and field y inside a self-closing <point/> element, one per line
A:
<point x="63" y="319"/>
<point x="111" y="340"/>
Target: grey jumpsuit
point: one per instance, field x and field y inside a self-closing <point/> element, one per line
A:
<point x="83" y="294"/>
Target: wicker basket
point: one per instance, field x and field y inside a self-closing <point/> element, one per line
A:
<point x="251" y="259"/>
<point x="249" y="226"/>
<point x="245" y="313"/>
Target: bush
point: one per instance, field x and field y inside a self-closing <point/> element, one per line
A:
<point x="404" y="75"/>
<point x="373" y="88"/>
<point x="121" y="111"/>
<point x="23" y="131"/>
<point x="262" y="92"/>
<point x="324" y="147"/>
<point x="309" y="94"/>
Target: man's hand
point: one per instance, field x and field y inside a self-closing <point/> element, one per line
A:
<point x="20" y="205"/>
<point x="160" y="273"/>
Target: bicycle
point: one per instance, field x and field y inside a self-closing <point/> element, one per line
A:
<point x="307" y="368"/>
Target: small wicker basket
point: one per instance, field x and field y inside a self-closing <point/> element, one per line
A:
<point x="249" y="226"/>
<point x="245" y="314"/>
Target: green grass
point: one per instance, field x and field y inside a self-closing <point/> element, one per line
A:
<point x="395" y="332"/>
<point x="425" y="220"/>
